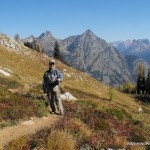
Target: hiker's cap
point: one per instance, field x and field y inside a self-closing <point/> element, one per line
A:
<point x="52" y="61"/>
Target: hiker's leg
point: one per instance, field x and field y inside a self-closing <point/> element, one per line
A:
<point x="51" y="100"/>
<point x="59" y="102"/>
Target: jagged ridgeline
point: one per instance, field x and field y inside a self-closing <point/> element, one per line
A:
<point x="94" y="56"/>
<point x="90" y="54"/>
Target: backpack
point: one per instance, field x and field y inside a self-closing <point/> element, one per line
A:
<point x="51" y="77"/>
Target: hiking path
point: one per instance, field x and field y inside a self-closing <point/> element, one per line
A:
<point x="8" y="134"/>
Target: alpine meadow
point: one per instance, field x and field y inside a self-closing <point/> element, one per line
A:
<point x="100" y="116"/>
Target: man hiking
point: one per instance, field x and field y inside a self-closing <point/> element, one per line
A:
<point x="51" y="79"/>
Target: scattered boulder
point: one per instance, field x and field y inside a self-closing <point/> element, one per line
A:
<point x="68" y="96"/>
<point x="5" y="73"/>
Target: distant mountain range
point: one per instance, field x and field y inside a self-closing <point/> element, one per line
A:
<point x="135" y="51"/>
<point x="112" y="63"/>
<point x="139" y="48"/>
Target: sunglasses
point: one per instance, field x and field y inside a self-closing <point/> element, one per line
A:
<point x="52" y="64"/>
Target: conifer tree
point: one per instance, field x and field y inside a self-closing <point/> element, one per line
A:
<point x="111" y="94"/>
<point x="35" y="46"/>
<point x="148" y="82"/>
<point x="129" y="87"/>
<point x="141" y="79"/>
<point x="17" y="37"/>
<point x="141" y="72"/>
<point x="56" y="51"/>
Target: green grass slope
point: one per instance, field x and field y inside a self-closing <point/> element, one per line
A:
<point x="101" y="117"/>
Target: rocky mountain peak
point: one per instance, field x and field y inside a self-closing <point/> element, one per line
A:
<point x="146" y="41"/>
<point x="95" y="56"/>
<point x="128" y="43"/>
<point x="46" y="34"/>
<point x="141" y="41"/>
<point x="31" y="38"/>
<point x="88" y="34"/>
<point x="47" y="41"/>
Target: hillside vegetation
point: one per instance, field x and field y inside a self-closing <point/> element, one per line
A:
<point x="101" y="117"/>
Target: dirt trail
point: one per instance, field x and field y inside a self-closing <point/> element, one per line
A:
<point x="27" y="127"/>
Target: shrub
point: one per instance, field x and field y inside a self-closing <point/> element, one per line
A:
<point x="17" y="103"/>
<point x="41" y="111"/>
<point x="101" y="124"/>
<point x="18" y="144"/>
<point x="78" y="129"/>
<point x="60" y="140"/>
<point x="120" y="114"/>
<point x="111" y="94"/>
<point x="7" y="123"/>
<point x="137" y="135"/>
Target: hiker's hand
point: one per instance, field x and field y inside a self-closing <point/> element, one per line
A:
<point x="45" y="94"/>
<point x="58" y="80"/>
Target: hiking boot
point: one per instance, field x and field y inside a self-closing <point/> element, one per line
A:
<point x="61" y="113"/>
<point x="53" y="112"/>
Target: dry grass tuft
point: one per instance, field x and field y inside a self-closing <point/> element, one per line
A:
<point x="60" y="140"/>
<point x="18" y="144"/>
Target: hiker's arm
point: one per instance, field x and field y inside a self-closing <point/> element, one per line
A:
<point x="44" y="85"/>
<point x="59" y="76"/>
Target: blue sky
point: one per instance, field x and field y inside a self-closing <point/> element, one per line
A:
<point x="111" y="20"/>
